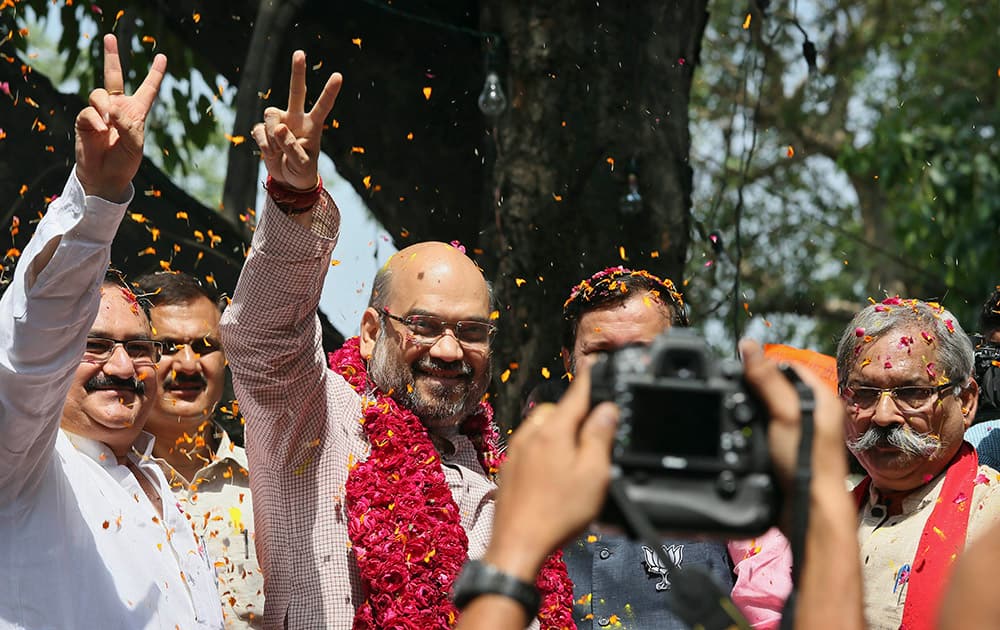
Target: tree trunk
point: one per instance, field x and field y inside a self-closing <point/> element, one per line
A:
<point x="240" y="190"/>
<point x="595" y="92"/>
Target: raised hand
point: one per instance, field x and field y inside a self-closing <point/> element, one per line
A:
<point x="289" y="140"/>
<point x="554" y="480"/>
<point x="109" y="133"/>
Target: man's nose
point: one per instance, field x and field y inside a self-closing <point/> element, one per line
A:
<point x="446" y="347"/>
<point x="119" y="363"/>
<point x="886" y="411"/>
<point x="187" y="360"/>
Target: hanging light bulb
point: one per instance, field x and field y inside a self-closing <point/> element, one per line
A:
<point x="492" y="101"/>
<point x="631" y="203"/>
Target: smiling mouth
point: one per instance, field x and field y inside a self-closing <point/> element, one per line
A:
<point x="187" y="387"/>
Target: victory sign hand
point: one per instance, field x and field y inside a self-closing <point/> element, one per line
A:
<point x="109" y="133"/>
<point x="289" y="140"/>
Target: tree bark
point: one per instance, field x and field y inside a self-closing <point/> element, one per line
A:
<point x="240" y="189"/>
<point x="592" y="89"/>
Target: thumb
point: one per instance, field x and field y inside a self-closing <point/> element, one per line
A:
<point x="763" y="375"/>
<point x="598" y="434"/>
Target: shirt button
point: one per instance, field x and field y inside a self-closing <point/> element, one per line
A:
<point x="605" y="554"/>
<point x="878" y="511"/>
<point x="604" y="621"/>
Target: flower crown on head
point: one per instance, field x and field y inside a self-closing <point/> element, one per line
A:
<point x="609" y="281"/>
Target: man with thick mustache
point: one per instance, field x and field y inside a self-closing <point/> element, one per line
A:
<point x="89" y="537"/>
<point x="372" y="468"/>
<point x="208" y="473"/>
<point x="905" y="372"/>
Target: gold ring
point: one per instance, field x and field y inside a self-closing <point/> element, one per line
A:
<point x="116" y="92"/>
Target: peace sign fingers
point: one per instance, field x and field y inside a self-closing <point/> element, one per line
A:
<point x="324" y="104"/>
<point x="111" y="131"/>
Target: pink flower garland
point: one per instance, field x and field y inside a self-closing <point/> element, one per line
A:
<point x="404" y="524"/>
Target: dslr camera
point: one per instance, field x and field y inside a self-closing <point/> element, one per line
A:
<point x="691" y="449"/>
<point x="986" y="353"/>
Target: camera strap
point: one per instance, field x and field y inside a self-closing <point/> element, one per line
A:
<point x="695" y="597"/>
<point x="799" y="518"/>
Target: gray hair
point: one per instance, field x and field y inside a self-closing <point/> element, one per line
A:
<point x="937" y="324"/>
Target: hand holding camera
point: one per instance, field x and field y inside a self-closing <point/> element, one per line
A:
<point x="554" y="481"/>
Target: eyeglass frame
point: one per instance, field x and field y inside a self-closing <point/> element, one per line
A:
<point x="157" y="345"/>
<point x="938" y="389"/>
<point x="209" y="346"/>
<point x="454" y="326"/>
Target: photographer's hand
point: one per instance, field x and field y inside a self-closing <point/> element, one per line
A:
<point x="552" y="485"/>
<point x="832" y="557"/>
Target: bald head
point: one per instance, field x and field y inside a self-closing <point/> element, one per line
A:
<point x="423" y="264"/>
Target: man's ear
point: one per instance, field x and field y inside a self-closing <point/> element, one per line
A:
<point x="969" y="397"/>
<point x="371" y="321"/>
<point x="566" y="357"/>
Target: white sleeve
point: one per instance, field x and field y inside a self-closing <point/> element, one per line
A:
<point x="45" y="315"/>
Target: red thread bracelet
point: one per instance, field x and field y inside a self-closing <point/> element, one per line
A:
<point x="290" y="200"/>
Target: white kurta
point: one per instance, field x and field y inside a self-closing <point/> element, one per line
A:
<point x="80" y="544"/>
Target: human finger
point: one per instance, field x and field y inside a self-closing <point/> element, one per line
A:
<point x="572" y="408"/>
<point x="324" y="104"/>
<point x="290" y="146"/>
<point x="297" y="84"/>
<point x="90" y="120"/>
<point x="150" y="87"/>
<point x="260" y="137"/>
<point x="100" y="101"/>
<point x="272" y="118"/>
<point x="114" y="82"/>
<point x="597" y="435"/>
<point x="763" y="375"/>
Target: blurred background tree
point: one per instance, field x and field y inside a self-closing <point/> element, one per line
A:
<point x="845" y="149"/>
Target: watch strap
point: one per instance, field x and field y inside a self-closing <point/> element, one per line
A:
<point x="478" y="578"/>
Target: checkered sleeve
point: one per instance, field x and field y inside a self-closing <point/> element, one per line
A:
<point x="272" y="339"/>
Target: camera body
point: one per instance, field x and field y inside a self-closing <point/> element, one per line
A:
<point x="986" y="368"/>
<point x="691" y="446"/>
<point x="986" y="353"/>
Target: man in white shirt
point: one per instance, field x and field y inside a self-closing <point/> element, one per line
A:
<point x="89" y="537"/>
<point x="206" y="470"/>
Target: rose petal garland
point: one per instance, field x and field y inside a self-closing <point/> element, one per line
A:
<point x="404" y="524"/>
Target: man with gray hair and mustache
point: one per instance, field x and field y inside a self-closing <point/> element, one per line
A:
<point x="904" y="369"/>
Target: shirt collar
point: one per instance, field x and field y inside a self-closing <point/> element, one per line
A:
<point x="226" y="455"/>
<point x="229" y="451"/>
<point x="917" y="499"/>
<point x="102" y="453"/>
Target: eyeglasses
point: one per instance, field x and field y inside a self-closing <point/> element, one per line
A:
<point x="141" y="351"/>
<point x="908" y="398"/>
<point x="199" y="347"/>
<point x="427" y="329"/>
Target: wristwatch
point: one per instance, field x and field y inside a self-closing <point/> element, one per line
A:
<point x="478" y="578"/>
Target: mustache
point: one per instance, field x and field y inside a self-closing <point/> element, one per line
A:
<point x="103" y="381"/>
<point x="427" y="363"/>
<point x="898" y="436"/>
<point x="183" y="378"/>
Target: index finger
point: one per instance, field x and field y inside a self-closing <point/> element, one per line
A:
<point x="573" y="408"/>
<point x="114" y="82"/>
<point x="150" y="87"/>
<point x="297" y="85"/>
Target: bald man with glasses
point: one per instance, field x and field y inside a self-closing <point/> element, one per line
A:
<point x="372" y="469"/>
